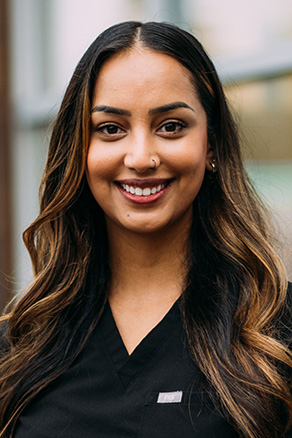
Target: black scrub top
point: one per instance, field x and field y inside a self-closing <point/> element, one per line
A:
<point x="155" y="392"/>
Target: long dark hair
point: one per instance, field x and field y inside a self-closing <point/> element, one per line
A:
<point x="236" y="287"/>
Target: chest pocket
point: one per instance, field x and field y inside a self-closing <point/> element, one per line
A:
<point x="188" y="418"/>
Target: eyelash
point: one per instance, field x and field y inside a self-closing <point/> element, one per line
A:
<point x="107" y="125"/>
<point x="180" y="126"/>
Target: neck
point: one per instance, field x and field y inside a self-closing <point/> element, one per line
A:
<point x="147" y="268"/>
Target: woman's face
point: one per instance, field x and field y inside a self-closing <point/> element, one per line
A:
<point x="146" y="114"/>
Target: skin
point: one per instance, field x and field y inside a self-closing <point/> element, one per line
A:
<point x="145" y="108"/>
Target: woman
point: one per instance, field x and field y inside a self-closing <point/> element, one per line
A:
<point x="159" y="307"/>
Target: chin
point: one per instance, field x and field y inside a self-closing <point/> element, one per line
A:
<point x="145" y="228"/>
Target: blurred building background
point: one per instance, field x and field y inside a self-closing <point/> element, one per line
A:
<point x="42" y="40"/>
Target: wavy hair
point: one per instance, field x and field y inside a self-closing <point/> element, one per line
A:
<point x="236" y="287"/>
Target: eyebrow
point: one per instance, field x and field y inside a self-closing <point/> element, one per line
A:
<point x="111" y="110"/>
<point x="169" y="107"/>
<point x="122" y="112"/>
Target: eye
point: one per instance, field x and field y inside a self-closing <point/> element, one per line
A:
<point x="172" y="127"/>
<point x="109" y="130"/>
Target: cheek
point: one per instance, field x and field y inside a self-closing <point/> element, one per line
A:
<point x="192" y="169"/>
<point x="188" y="153"/>
<point x="197" y="160"/>
<point x="93" y="167"/>
<point x="95" y="174"/>
<point x="99" y="163"/>
<point x="188" y="162"/>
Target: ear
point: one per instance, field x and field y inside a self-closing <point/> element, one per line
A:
<point x="210" y="160"/>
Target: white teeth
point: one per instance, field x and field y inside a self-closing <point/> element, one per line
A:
<point x="146" y="192"/>
<point x="143" y="192"/>
<point x="138" y="191"/>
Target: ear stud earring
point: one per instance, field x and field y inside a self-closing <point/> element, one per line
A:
<point x="213" y="165"/>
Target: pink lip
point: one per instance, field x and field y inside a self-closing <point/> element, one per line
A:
<point x="143" y="199"/>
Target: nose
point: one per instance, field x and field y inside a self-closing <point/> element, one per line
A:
<point x="141" y="155"/>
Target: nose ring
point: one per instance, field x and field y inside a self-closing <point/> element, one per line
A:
<point x="154" y="167"/>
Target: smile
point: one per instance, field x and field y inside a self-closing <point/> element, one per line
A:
<point x="147" y="191"/>
<point x="144" y="191"/>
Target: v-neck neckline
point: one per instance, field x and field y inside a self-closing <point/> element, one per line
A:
<point x="128" y="365"/>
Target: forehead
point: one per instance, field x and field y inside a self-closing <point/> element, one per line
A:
<point x="143" y="74"/>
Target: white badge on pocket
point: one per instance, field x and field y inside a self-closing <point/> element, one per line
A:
<point x="170" y="397"/>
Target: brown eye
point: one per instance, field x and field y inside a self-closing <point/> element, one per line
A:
<point x="109" y="129"/>
<point x="112" y="129"/>
<point x="171" y="127"/>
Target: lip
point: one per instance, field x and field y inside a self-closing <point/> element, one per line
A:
<point x="139" y="183"/>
